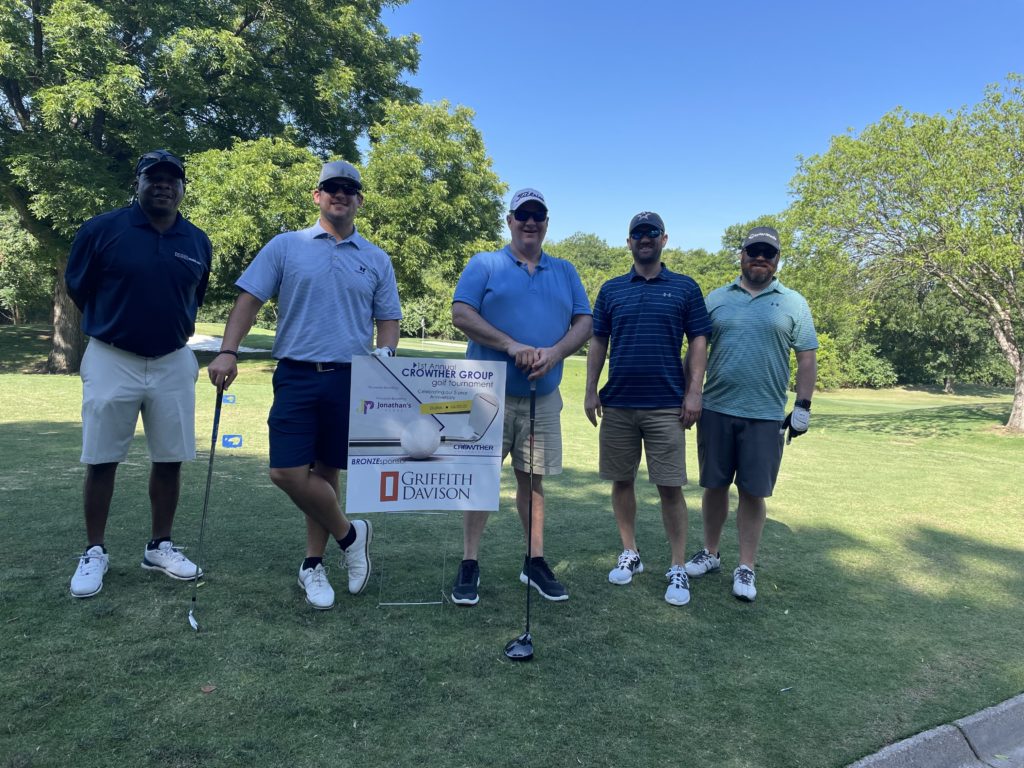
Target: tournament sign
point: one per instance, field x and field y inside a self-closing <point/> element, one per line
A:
<point x="425" y="434"/>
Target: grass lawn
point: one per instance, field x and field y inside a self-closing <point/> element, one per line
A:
<point x="890" y="583"/>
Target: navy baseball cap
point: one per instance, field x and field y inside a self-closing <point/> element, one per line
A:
<point x="646" y="218"/>
<point x="159" y="157"/>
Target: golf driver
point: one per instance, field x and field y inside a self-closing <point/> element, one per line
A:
<point x="482" y="414"/>
<point x="521" y="649"/>
<point x="206" y="502"/>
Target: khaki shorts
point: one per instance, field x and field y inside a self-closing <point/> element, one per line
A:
<point x="662" y="436"/>
<point x="547" y="432"/>
<point x="117" y="386"/>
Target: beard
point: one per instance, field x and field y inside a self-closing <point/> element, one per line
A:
<point x="760" y="277"/>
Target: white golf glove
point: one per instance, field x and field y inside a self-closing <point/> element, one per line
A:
<point x="383" y="352"/>
<point x="798" y="421"/>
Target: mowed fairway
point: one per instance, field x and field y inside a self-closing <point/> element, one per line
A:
<point x="890" y="583"/>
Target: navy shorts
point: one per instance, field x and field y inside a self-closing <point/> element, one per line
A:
<point x="309" y="418"/>
<point x="747" y="450"/>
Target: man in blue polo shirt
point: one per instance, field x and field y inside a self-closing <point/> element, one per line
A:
<point x="138" y="274"/>
<point x="526" y="308"/>
<point x="646" y="403"/>
<point x="755" y="321"/>
<point x="334" y="288"/>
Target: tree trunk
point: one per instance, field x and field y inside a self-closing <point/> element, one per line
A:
<point x="68" y="342"/>
<point x="1016" y="421"/>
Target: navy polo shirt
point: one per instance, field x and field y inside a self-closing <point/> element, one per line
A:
<point x="646" y="321"/>
<point x="139" y="290"/>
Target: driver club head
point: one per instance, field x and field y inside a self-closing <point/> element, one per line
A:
<point x="520" y="649"/>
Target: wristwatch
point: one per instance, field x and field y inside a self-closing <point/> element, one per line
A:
<point x="805" y="404"/>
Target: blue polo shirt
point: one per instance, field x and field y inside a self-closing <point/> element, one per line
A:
<point x="329" y="293"/>
<point x="751" y="336"/>
<point x="645" y="321"/>
<point x="138" y="289"/>
<point x="533" y="309"/>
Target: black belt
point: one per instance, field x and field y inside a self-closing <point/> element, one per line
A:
<point x="318" y="367"/>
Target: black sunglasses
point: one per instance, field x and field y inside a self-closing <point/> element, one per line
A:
<point x="765" y="252"/>
<point x="640" y="234"/>
<point x="334" y="187"/>
<point x="538" y="216"/>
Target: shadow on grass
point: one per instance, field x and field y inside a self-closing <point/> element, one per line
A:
<point x="24" y="348"/>
<point x="848" y="647"/>
<point x="944" y="421"/>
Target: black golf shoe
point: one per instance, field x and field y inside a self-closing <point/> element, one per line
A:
<point x="537" y="574"/>
<point x="466" y="582"/>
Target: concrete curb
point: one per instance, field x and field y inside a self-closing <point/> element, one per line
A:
<point x="991" y="738"/>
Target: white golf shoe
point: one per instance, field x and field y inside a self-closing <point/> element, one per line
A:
<point x="629" y="563"/>
<point x="743" y="584"/>
<point x="678" y="592"/>
<point x="319" y="592"/>
<point x="88" y="578"/>
<point x="701" y="563"/>
<point x="357" y="557"/>
<point x="168" y="559"/>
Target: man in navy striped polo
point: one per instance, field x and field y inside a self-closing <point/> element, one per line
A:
<point x="647" y="402"/>
<point x="756" y="321"/>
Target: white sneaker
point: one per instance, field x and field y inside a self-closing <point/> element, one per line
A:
<point x="678" y="592"/>
<point x="168" y="559"/>
<point x="701" y="563"/>
<point x="357" y="557"/>
<point x="743" y="584"/>
<point x="629" y="563"/>
<point x="319" y="592"/>
<point x="88" y="578"/>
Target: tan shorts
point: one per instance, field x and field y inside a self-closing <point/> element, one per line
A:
<point x="547" y="432"/>
<point x="117" y="386"/>
<point x="663" y="439"/>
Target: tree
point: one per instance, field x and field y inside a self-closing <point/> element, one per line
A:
<point x="25" y="279"/>
<point x="86" y="86"/>
<point x="432" y="199"/>
<point x="932" y="194"/>
<point x="242" y="197"/>
<point x="594" y="259"/>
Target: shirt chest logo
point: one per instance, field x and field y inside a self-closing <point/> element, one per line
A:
<point x="186" y="257"/>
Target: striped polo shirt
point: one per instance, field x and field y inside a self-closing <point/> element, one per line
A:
<point x="645" y="321"/>
<point x="748" y="363"/>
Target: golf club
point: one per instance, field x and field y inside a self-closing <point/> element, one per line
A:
<point x="521" y="649"/>
<point x="206" y="503"/>
<point x="482" y="414"/>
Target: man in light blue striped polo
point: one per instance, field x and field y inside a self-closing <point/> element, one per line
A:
<point x="647" y="403"/>
<point x="756" y="321"/>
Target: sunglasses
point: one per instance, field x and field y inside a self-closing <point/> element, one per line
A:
<point x="334" y="187"/>
<point x="538" y="216"/>
<point x="640" y="234"/>
<point x="766" y="252"/>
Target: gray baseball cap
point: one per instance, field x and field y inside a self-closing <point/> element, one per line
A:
<point x="151" y="160"/>
<point x="766" y="235"/>
<point x="339" y="169"/>
<point x="648" y="218"/>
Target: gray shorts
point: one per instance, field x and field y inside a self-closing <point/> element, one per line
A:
<point x="547" y="432"/>
<point x="117" y="386"/>
<point x="747" y="451"/>
<point x="661" y="434"/>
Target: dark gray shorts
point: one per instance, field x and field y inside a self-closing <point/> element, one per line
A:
<point x="745" y="451"/>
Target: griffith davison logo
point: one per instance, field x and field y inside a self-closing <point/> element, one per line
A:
<point x="424" y="485"/>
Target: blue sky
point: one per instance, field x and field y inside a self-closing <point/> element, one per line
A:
<point x="696" y="110"/>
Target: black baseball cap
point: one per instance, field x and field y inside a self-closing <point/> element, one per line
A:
<point x="648" y="218"/>
<point x="159" y="157"/>
<point x="766" y="235"/>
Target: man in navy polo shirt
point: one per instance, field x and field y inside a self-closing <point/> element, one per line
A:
<point x="646" y="402"/>
<point x="528" y="309"/>
<point x="334" y="288"/>
<point x="138" y="274"/>
<point x="756" y="321"/>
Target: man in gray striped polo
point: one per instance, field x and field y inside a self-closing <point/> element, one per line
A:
<point x="646" y="402"/>
<point x="756" y="321"/>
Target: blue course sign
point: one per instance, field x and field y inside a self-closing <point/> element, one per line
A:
<point x="231" y="441"/>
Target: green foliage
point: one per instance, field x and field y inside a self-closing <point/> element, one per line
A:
<point x="432" y="199"/>
<point x="594" y="259"/>
<point x="931" y="195"/>
<point x="245" y="195"/>
<point x="710" y="270"/>
<point x="26" y="282"/>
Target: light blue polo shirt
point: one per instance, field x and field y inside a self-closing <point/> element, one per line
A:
<point x="329" y="293"/>
<point x="533" y="309"/>
<point x="751" y="336"/>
